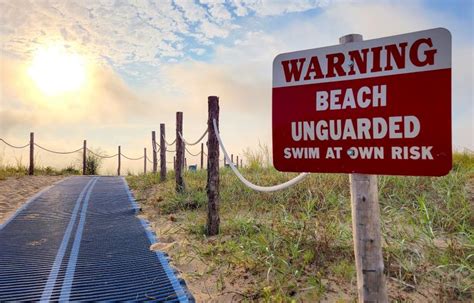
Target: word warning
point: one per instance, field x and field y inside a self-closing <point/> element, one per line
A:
<point x="379" y="106"/>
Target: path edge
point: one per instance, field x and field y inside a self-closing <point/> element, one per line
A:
<point x="30" y="200"/>
<point x="179" y="285"/>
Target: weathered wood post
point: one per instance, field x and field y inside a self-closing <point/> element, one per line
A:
<point x="144" y="161"/>
<point x="237" y="162"/>
<point x="241" y="163"/>
<point x="119" y="155"/>
<point x="31" y="169"/>
<point x="180" y="187"/>
<point x="202" y="155"/>
<point x="162" y="153"/>
<point x="366" y="229"/>
<point x="225" y="161"/>
<point x="232" y="158"/>
<point x="153" y="148"/>
<point x="84" y="158"/>
<point x="174" y="163"/>
<point x="185" y="164"/>
<point x="213" y="219"/>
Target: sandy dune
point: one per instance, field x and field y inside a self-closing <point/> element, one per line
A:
<point x="15" y="191"/>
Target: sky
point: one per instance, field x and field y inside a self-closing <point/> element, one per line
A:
<point x="146" y="60"/>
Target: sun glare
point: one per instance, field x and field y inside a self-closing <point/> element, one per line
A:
<point x="55" y="70"/>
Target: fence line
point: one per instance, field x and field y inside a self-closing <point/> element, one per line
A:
<point x="194" y="143"/>
<point x="187" y="150"/>
<point x="132" y="159"/>
<point x="59" y="152"/>
<point x="85" y="149"/>
<point x="282" y="186"/>
<point x="169" y="143"/>
<point x="149" y="161"/>
<point x="101" y="156"/>
<point x="14" y="146"/>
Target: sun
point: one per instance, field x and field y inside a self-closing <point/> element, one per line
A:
<point x="56" y="70"/>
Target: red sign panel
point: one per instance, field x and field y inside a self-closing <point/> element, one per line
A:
<point x="379" y="106"/>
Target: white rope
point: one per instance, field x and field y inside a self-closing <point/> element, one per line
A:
<point x="194" y="143"/>
<point x="164" y="139"/>
<point x="285" y="185"/>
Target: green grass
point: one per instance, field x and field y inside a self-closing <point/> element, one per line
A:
<point x="294" y="242"/>
<point x="21" y="170"/>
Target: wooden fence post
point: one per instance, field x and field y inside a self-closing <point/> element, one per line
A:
<point x="366" y="229"/>
<point x="237" y="162"/>
<point x="185" y="164"/>
<point x="202" y="155"/>
<point x="119" y="155"/>
<point x="31" y="170"/>
<point x="241" y="163"/>
<point x="84" y="158"/>
<point x="225" y="161"/>
<point x="232" y="158"/>
<point x="174" y="163"/>
<point x="213" y="219"/>
<point x="180" y="186"/>
<point x="162" y="153"/>
<point x="153" y="148"/>
<point x="144" y="161"/>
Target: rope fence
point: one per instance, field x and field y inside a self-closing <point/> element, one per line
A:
<point x="213" y="144"/>
<point x="194" y="143"/>
<point x="167" y="141"/>
<point x="101" y="156"/>
<point x="247" y="183"/>
<point x="59" y="152"/>
<point x="14" y="146"/>
<point x="194" y="155"/>
<point x="133" y="159"/>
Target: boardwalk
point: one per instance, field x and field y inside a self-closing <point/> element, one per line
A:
<point x="81" y="240"/>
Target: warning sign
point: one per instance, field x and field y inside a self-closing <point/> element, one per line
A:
<point x="379" y="106"/>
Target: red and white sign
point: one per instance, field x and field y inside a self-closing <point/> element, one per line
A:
<point x="379" y="106"/>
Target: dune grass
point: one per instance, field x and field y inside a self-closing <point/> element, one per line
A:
<point x="19" y="169"/>
<point x="297" y="244"/>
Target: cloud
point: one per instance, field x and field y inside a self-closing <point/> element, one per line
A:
<point x="124" y="31"/>
<point x="241" y="73"/>
<point x="106" y="98"/>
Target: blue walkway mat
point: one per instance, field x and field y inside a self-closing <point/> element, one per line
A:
<point x="80" y="240"/>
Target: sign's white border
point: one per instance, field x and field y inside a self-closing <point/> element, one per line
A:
<point x="441" y="39"/>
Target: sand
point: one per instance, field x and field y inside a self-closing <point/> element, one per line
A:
<point x="15" y="191"/>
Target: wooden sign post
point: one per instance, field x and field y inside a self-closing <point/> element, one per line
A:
<point x="202" y="155"/>
<point x="144" y="161"/>
<point x="180" y="186"/>
<point x="31" y="169"/>
<point x="365" y="108"/>
<point x="119" y="156"/>
<point x="366" y="229"/>
<point x="84" y="158"/>
<point x="213" y="197"/>
<point x="153" y="145"/>
<point x="162" y="153"/>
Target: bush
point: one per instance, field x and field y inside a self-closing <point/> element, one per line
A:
<point x="93" y="162"/>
